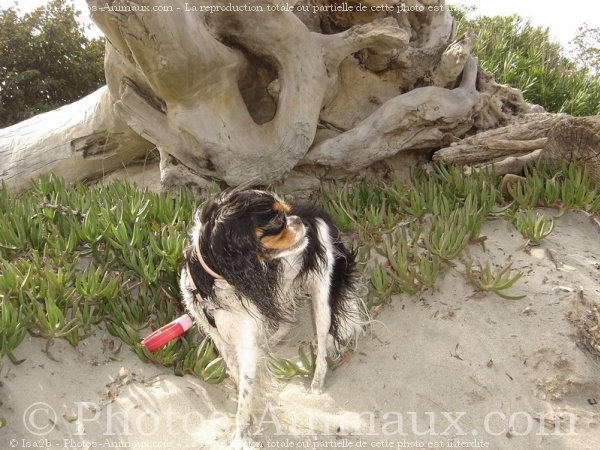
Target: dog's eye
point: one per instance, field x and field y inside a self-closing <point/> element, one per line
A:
<point x="275" y="225"/>
<point x="279" y="221"/>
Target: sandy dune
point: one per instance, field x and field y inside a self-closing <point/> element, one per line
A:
<point x="446" y="368"/>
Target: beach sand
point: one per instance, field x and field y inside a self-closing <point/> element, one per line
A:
<point x="446" y="368"/>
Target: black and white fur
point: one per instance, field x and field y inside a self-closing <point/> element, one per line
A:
<point x="260" y="250"/>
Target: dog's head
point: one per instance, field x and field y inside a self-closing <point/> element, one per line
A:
<point x="244" y="235"/>
<point x="255" y="221"/>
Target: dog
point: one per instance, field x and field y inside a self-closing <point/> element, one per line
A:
<point x="247" y="254"/>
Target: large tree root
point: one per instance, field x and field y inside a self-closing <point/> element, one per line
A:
<point x="236" y="96"/>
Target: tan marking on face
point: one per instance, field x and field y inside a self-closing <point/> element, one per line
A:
<point x="280" y="242"/>
<point x="280" y="206"/>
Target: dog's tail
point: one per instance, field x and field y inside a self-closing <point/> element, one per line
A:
<point x="348" y="312"/>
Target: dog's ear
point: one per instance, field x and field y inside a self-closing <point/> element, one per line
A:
<point x="233" y="202"/>
<point x="234" y="253"/>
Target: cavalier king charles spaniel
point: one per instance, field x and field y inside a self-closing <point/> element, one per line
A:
<point x="247" y="254"/>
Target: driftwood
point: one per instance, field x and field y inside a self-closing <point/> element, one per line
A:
<point x="420" y="117"/>
<point x="577" y="137"/>
<point x="304" y="88"/>
<point x="526" y="135"/>
<point x="78" y="141"/>
<point x="508" y="149"/>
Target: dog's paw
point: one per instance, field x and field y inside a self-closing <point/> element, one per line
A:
<point x="318" y="380"/>
<point x="316" y="387"/>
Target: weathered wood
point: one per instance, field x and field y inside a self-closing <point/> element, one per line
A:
<point x="77" y="141"/>
<point x="516" y="146"/>
<point x="423" y="115"/>
<point x="512" y="164"/>
<point x="556" y="137"/>
<point x="577" y="137"/>
<point x="452" y="61"/>
<point x="526" y="135"/>
<point x="234" y="96"/>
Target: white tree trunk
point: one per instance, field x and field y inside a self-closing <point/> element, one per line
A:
<point x="237" y="95"/>
<point x="77" y="141"/>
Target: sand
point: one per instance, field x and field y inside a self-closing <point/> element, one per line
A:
<point x="447" y="368"/>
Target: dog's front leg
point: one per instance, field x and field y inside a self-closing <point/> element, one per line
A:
<point x="247" y="353"/>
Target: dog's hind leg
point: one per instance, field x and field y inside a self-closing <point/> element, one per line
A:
<point x="228" y="354"/>
<point x="246" y="346"/>
<point x="321" y="291"/>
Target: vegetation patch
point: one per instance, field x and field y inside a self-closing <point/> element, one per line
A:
<point x="73" y="258"/>
<point x="523" y="56"/>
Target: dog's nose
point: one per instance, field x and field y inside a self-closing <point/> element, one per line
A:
<point x="295" y="220"/>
